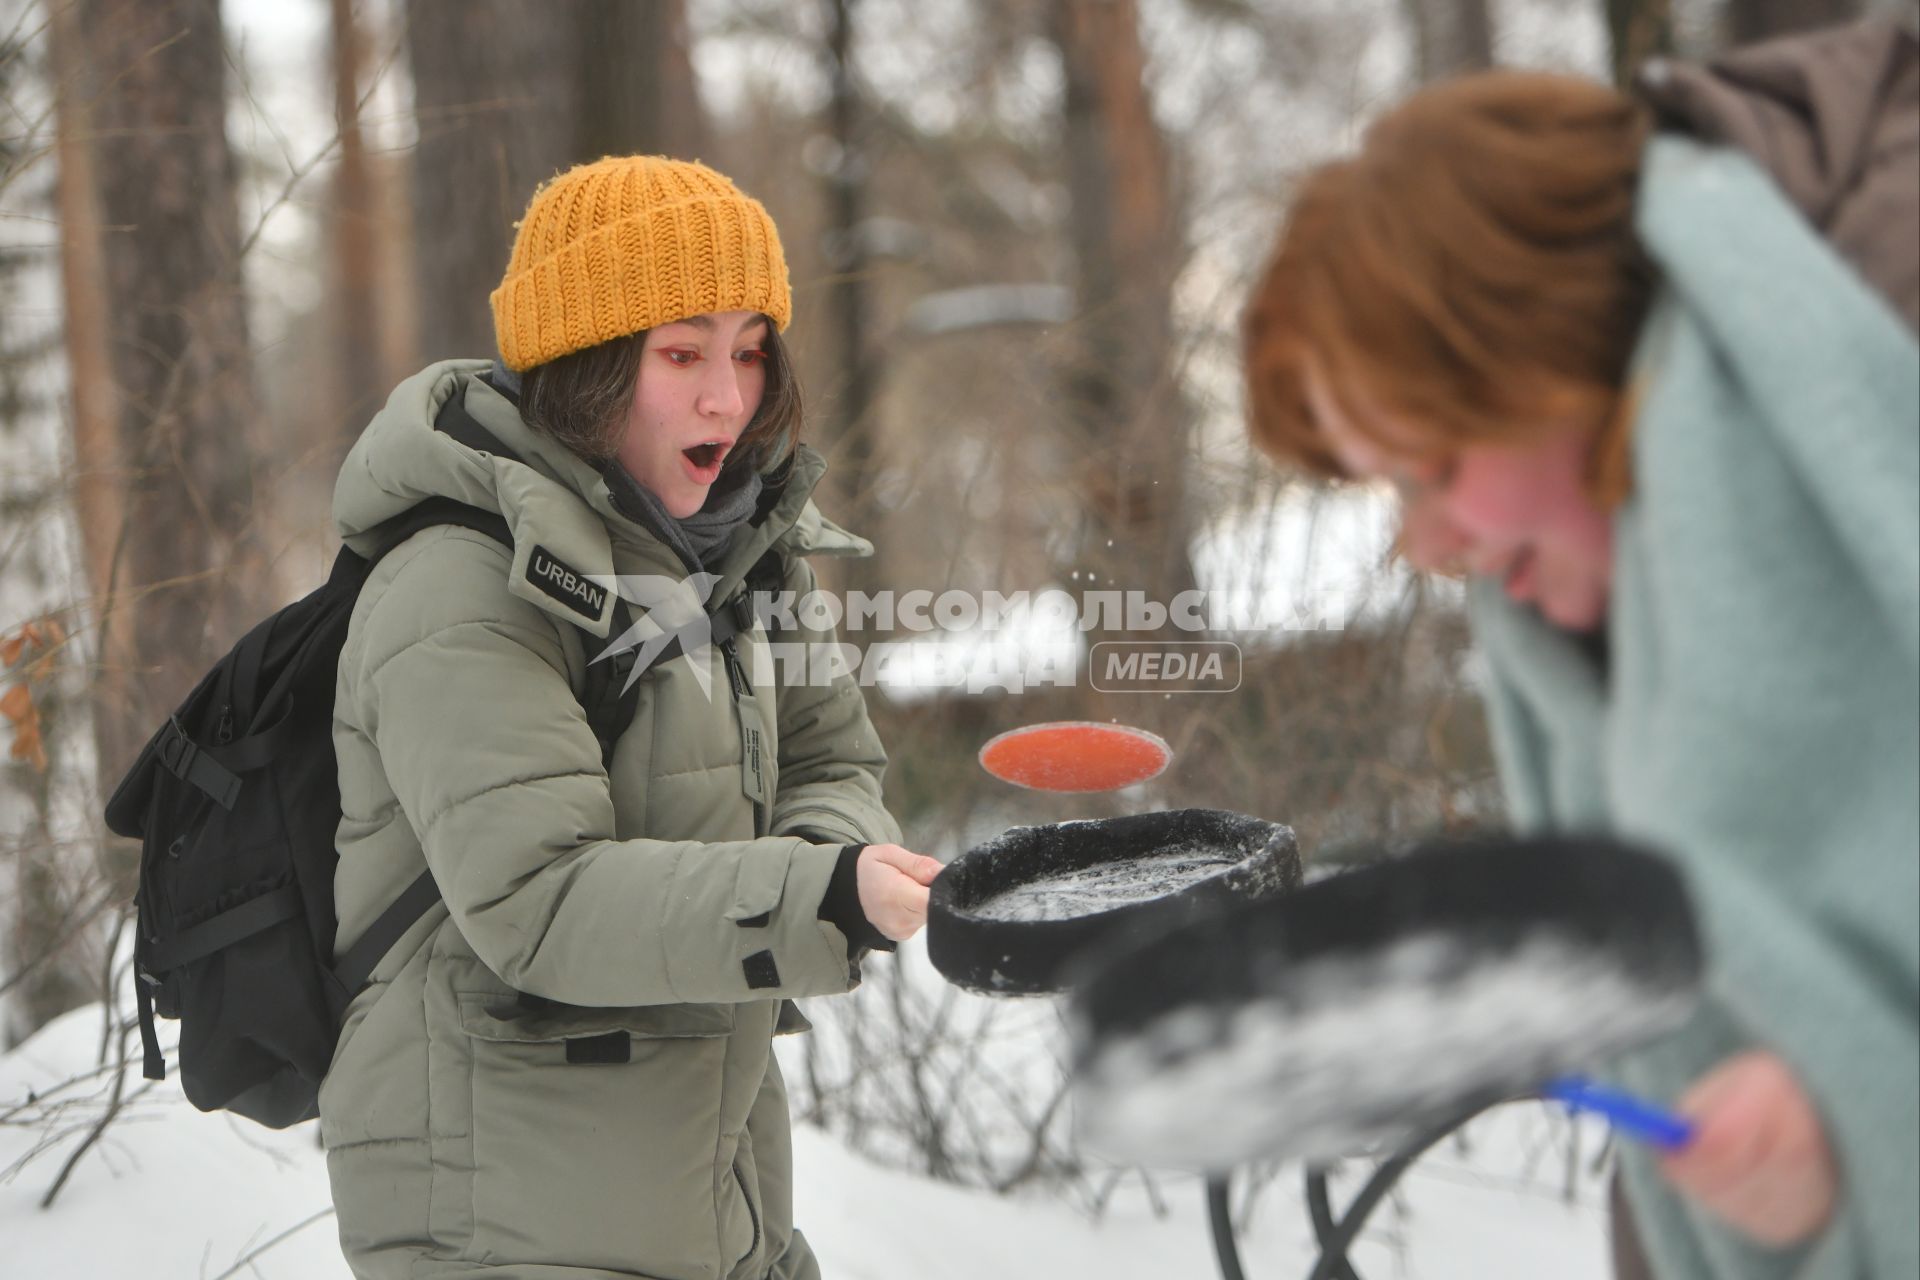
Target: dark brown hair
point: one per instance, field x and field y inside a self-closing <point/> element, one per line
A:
<point x="581" y="400"/>
<point x="1473" y="268"/>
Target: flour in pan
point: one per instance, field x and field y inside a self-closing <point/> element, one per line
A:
<point x="1105" y="886"/>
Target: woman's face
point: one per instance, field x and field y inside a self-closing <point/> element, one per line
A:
<point x="1518" y="513"/>
<point x="700" y="383"/>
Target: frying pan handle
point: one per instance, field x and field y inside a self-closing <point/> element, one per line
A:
<point x="1635" y="1117"/>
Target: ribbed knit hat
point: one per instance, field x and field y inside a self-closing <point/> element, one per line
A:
<point x="627" y="243"/>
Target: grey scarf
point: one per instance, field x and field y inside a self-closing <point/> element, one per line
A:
<point x="700" y="537"/>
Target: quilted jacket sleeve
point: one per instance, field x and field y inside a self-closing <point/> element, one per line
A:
<point x="464" y="691"/>
<point x="831" y="760"/>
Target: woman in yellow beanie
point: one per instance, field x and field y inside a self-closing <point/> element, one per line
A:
<point x="555" y="711"/>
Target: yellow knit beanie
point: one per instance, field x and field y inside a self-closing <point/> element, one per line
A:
<point x="627" y="243"/>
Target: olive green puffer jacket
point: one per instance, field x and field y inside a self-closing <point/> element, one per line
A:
<point x="565" y="1070"/>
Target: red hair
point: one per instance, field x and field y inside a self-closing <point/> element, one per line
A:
<point x="1474" y="268"/>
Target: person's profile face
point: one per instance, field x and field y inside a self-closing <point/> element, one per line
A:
<point x="1519" y="513"/>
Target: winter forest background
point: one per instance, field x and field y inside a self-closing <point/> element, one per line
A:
<point x="1020" y="232"/>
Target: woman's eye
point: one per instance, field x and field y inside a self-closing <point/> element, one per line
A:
<point x="755" y="356"/>
<point x="680" y="356"/>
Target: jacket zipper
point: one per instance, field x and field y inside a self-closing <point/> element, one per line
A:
<point x="736" y="669"/>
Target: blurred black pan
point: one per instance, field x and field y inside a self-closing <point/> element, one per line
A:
<point x="1372" y="1005"/>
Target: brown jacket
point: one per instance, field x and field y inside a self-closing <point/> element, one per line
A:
<point x="1834" y="116"/>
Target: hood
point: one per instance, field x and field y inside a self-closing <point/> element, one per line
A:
<point x="557" y="505"/>
<point x="1833" y="116"/>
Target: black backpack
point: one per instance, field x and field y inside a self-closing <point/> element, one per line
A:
<point x="236" y="802"/>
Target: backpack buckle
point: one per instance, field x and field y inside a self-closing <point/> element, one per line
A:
<point x="176" y="748"/>
<point x="183" y="758"/>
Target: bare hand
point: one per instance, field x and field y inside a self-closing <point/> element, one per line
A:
<point x="893" y="888"/>
<point x="1759" y="1159"/>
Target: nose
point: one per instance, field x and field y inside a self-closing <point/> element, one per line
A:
<point x="721" y="395"/>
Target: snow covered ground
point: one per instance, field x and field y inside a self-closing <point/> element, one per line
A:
<point x="170" y="1194"/>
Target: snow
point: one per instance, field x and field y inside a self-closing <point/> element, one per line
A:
<point x="168" y="1192"/>
<point x="174" y="1193"/>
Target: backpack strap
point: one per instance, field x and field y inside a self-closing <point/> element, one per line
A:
<point x="181" y="756"/>
<point x="357" y="965"/>
<point x="431" y="513"/>
<point x="609" y="701"/>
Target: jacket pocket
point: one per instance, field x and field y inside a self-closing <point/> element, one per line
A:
<point x="594" y="1136"/>
<point x="491" y="1017"/>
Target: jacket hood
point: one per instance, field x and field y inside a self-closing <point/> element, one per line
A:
<point x="1833" y="116"/>
<point x="557" y="505"/>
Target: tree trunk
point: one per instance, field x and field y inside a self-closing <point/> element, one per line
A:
<point x="1450" y="37"/>
<point x="42" y="974"/>
<point x="1638" y="30"/>
<point x="356" y="319"/>
<point x="179" y="581"/>
<point x="637" y="88"/>
<point x="1749" y="21"/>
<point x="852" y="437"/>
<point x="98" y="483"/>
<point x="496" y="92"/>
<point x="1128" y="418"/>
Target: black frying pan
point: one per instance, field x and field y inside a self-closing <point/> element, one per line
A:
<point x="1372" y="1005"/>
<point x="1010" y="916"/>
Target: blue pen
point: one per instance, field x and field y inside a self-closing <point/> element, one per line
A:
<point x="1633" y="1116"/>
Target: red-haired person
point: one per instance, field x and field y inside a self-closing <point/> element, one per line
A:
<point x="1645" y="372"/>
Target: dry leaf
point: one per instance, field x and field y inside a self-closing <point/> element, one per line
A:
<point x="28" y="746"/>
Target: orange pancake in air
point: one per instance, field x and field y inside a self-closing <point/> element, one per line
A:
<point x="1075" y="755"/>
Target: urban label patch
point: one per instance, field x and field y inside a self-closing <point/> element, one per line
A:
<point x="566" y="584"/>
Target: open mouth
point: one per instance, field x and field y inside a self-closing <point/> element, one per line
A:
<point x="703" y="460"/>
<point x="707" y="455"/>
